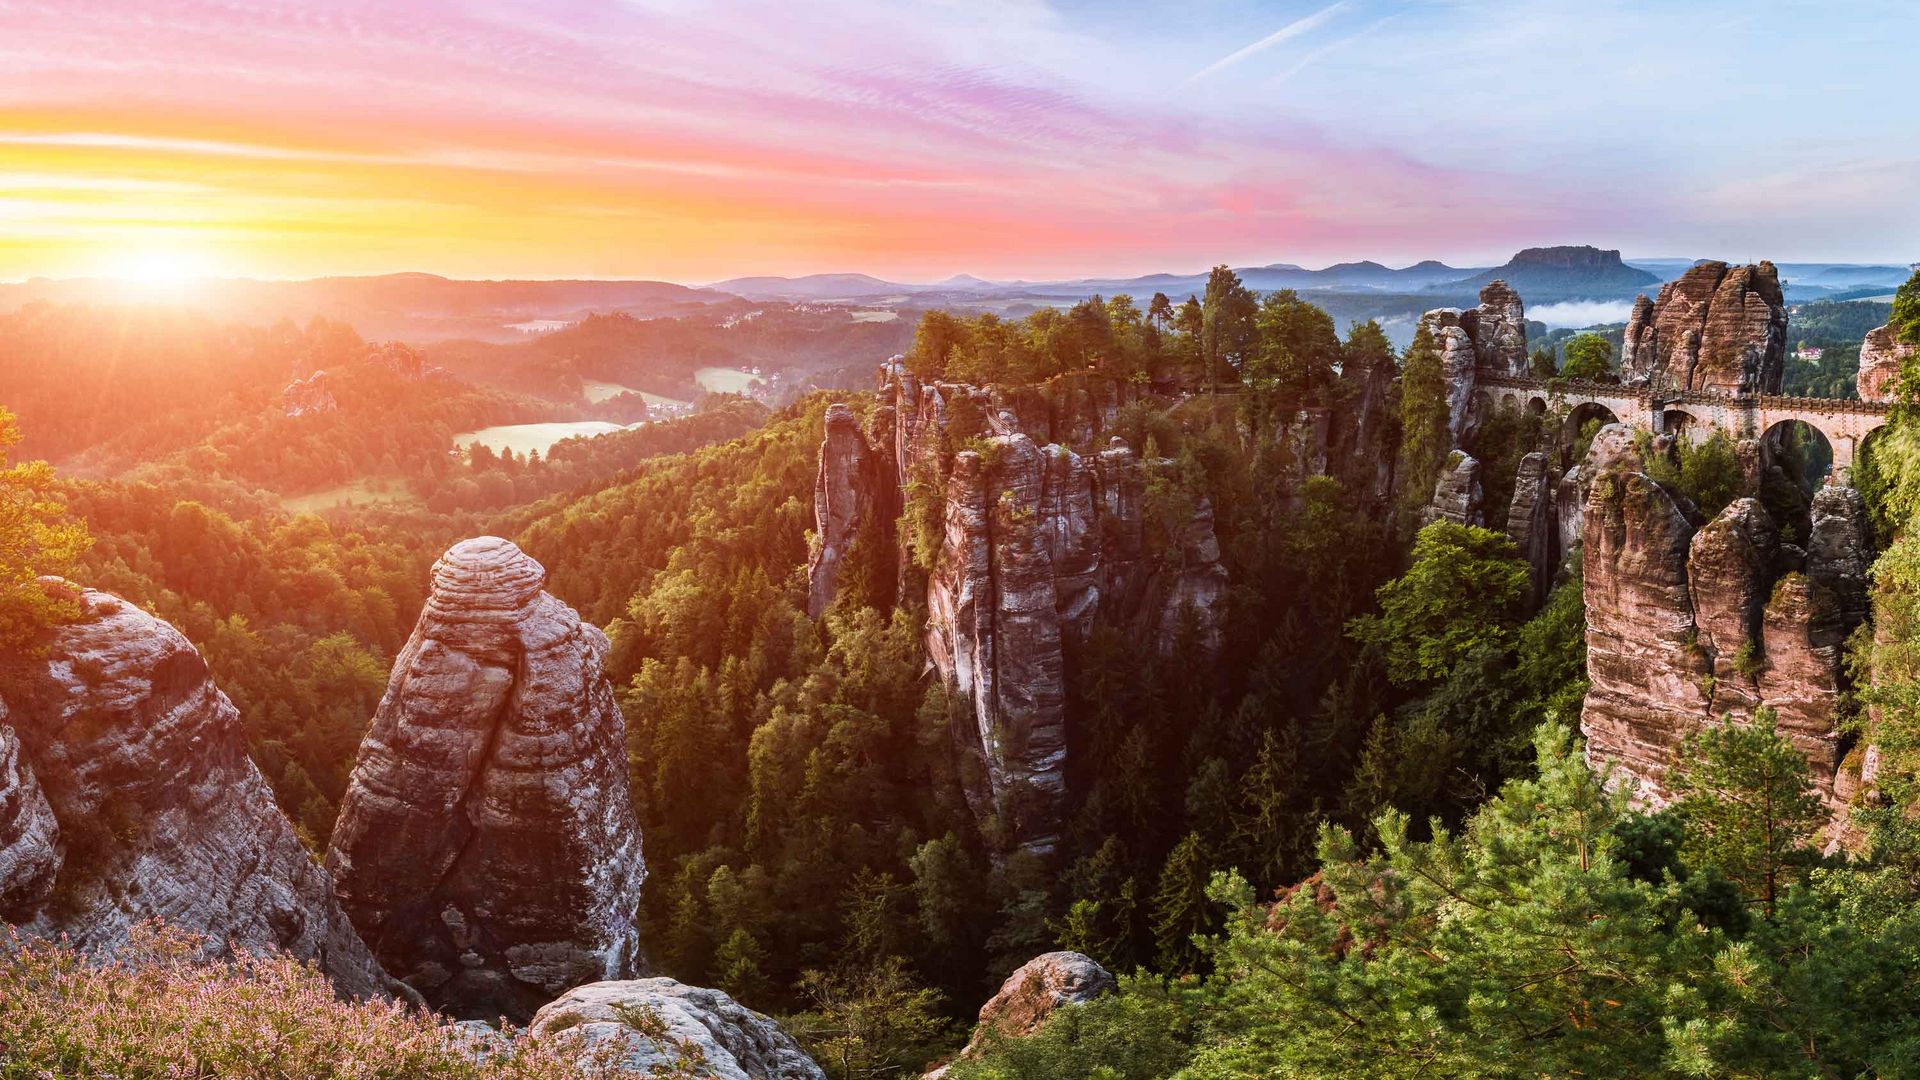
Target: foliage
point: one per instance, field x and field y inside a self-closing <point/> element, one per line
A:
<point x="1140" y="1034"/>
<point x="1424" y="415"/>
<point x="1709" y="472"/>
<point x="868" y="1023"/>
<point x="37" y="538"/>
<point x="1747" y="805"/>
<point x="1589" y="357"/>
<point x="1467" y="588"/>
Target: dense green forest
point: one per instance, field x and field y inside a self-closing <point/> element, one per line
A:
<point x="1362" y="843"/>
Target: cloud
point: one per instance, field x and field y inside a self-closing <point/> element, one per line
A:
<point x="1304" y="25"/>
<point x="1579" y="314"/>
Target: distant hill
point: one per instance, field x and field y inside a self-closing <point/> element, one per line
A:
<point x="1568" y="272"/>
<point x="815" y="287"/>
<point x="413" y="307"/>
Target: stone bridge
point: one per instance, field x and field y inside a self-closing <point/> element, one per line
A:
<point x="1845" y="423"/>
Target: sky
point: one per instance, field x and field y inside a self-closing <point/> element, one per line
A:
<point x="692" y="141"/>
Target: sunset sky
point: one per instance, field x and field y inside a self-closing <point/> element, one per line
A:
<point x="1006" y="138"/>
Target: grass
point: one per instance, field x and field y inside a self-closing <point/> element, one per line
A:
<point x="598" y="391"/>
<point x="160" y="1010"/>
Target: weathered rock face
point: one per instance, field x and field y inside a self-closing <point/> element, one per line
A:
<point x="1716" y="329"/>
<point x="1456" y="495"/>
<point x="1358" y="451"/>
<point x="1688" y="626"/>
<point x="1035" y="991"/>
<point x="1498" y="328"/>
<point x="1458" y="361"/>
<point x="736" y="1042"/>
<point x="126" y="794"/>
<point x="1881" y="355"/>
<point x="487" y="847"/>
<point x="1037" y="542"/>
<point x="851" y="495"/>
<point x="1533" y="520"/>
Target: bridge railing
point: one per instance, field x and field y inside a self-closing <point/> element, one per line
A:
<point x="1682" y="397"/>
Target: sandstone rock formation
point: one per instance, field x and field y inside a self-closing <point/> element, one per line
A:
<point x="1456" y="494"/>
<point x="1036" y="541"/>
<point x="853" y="494"/>
<point x="1498" y="328"/>
<point x="126" y="794"/>
<point x="1458" y="362"/>
<point x="487" y="847"/>
<point x="1689" y="623"/>
<point x="1533" y="522"/>
<point x="1034" y="992"/>
<point x="735" y="1042"/>
<point x="1716" y="329"/>
<point x="1881" y="355"/>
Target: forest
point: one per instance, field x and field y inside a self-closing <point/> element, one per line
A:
<point x="1363" y="842"/>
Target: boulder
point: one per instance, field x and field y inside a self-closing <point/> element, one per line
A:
<point x="1034" y="992"/>
<point x="487" y="846"/>
<point x="126" y="795"/>
<point x="1717" y="329"/>
<point x="650" y="1027"/>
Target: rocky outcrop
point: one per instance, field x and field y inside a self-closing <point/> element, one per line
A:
<point x="1881" y="355"/>
<point x="1034" y="992"/>
<point x="730" y="1041"/>
<point x="1456" y="495"/>
<point x="1458" y="361"/>
<point x="1689" y="625"/>
<point x="1717" y="329"/>
<point x="487" y="847"/>
<point x="1498" y="329"/>
<point x="1533" y="521"/>
<point x="1036" y="542"/>
<point x="310" y="396"/>
<point x="853" y="495"/>
<point x="126" y="795"/>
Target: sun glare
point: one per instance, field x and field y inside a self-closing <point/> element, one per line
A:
<point x="159" y="271"/>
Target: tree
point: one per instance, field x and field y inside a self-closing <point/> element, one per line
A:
<point x="1425" y="416"/>
<point x="1589" y="357"/>
<point x="1227" y="328"/>
<point x="869" y="1021"/>
<point x="36" y="538"/>
<point x="1467" y="589"/>
<point x="1160" y="311"/>
<point x="1181" y="908"/>
<point x="1747" y="804"/>
<point x="1541" y="365"/>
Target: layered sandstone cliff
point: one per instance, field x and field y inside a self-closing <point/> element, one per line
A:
<point x="1717" y="329"/>
<point x="1491" y="337"/>
<point x="487" y="846"/>
<point x="126" y="795"/>
<point x="1881" y="355"/>
<point x="1691" y="622"/>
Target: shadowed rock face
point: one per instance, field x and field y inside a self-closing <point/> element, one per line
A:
<point x="1717" y="329"/>
<point x="1880" y="357"/>
<point x="852" y="494"/>
<point x="487" y="846"/>
<point x="736" y="1042"/>
<point x="1688" y="626"/>
<point x="126" y="794"/>
<point x="1456" y="494"/>
<point x="1533" y="523"/>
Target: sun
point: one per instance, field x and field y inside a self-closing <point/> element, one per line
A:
<point x="160" y="271"/>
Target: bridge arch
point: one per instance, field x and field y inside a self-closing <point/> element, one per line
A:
<point x="1801" y="449"/>
<point x="1682" y="424"/>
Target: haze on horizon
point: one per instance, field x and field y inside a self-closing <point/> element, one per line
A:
<point x="1005" y="138"/>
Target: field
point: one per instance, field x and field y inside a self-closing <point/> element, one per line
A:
<point x="722" y="380"/>
<point x="598" y="391"/>
<point x="366" y="491"/>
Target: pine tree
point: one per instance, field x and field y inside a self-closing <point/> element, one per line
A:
<point x="1181" y="907"/>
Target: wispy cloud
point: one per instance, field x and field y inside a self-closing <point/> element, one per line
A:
<point x="1303" y="25"/>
